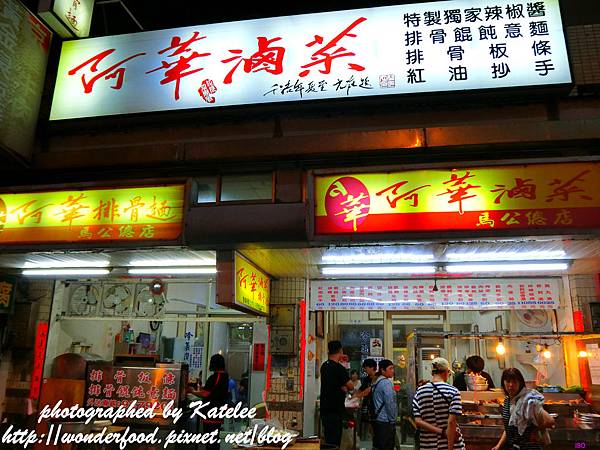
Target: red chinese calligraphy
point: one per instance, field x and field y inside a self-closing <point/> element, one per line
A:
<point x="160" y="210"/>
<point x="206" y="91"/>
<point x="564" y="190"/>
<point x="522" y="189"/>
<point x="178" y="69"/>
<point x="330" y="51"/>
<point x="113" y="71"/>
<point x="242" y="278"/>
<point x="107" y="210"/>
<point x="138" y="392"/>
<point x="563" y="217"/>
<point x="459" y="194"/>
<point x="119" y="376"/>
<point x="134" y="208"/>
<point x="23" y="212"/>
<point x="108" y="390"/>
<point x="123" y="391"/>
<point x="393" y="196"/>
<point x="268" y="58"/>
<point x="253" y="282"/>
<point x="72" y="209"/>
<point x="169" y="394"/>
<point x="96" y="375"/>
<point x="153" y="392"/>
<point x="169" y="378"/>
<point x="144" y="377"/>
<point x="94" y="390"/>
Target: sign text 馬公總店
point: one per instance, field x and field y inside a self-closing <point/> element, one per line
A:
<point x="417" y="48"/>
<point x="479" y="198"/>
<point x="252" y="286"/>
<point x="139" y="213"/>
<point x="475" y="294"/>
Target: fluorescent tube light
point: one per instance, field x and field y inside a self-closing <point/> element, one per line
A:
<point x="63" y="272"/>
<point x="377" y="270"/>
<point x="65" y="264"/>
<point x="505" y="256"/>
<point x="173" y="271"/>
<point x="171" y="262"/>
<point x="508" y="267"/>
<point x="374" y="258"/>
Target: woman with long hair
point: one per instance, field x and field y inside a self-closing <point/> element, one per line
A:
<point x="216" y="391"/>
<point x="526" y="422"/>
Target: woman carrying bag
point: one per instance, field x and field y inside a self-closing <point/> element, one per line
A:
<point x="526" y="422"/>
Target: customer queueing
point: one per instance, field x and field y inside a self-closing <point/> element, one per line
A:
<point x="216" y="391"/>
<point x="526" y="422"/>
<point x="370" y="367"/>
<point x="435" y="407"/>
<point x="385" y="407"/>
<point x="335" y="383"/>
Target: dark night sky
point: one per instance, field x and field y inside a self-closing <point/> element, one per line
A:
<point x="158" y="14"/>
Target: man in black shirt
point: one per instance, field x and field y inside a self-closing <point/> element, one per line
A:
<point x="335" y="383"/>
<point x="475" y="365"/>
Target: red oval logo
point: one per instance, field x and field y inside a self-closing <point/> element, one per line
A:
<point x="347" y="203"/>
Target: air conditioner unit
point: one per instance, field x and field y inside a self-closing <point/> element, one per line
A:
<point x="426" y="355"/>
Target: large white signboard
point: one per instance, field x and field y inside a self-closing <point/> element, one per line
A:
<point x="429" y="47"/>
<point x="474" y="294"/>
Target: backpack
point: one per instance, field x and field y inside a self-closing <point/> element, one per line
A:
<point x="371" y="413"/>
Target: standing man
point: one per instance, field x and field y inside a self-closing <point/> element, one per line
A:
<point x="385" y="407"/>
<point x="335" y="383"/>
<point x="475" y="365"/>
<point x="435" y="407"/>
<point x="370" y="367"/>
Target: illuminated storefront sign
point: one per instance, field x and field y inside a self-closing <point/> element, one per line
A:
<point x="8" y="286"/>
<point x="474" y="294"/>
<point x="485" y="198"/>
<point x="252" y="286"/>
<point x="429" y="47"/>
<point x="68" y="18"/>
<point x="140" y="213"/>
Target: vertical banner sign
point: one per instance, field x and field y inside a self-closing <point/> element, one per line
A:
<point x="24" y="46"/>
<point x="537" y="196"/>
<point x="406" y="49"/>
<point x="39" y="354"/>
<point x="578" y="323"/>
<point x="8" y="286"/>
<point x="258" y="358"/>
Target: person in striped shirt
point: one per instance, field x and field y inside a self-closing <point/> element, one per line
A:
<point x="435" y="407"/>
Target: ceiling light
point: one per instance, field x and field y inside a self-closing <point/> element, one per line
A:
<point x="507" y="267"/>
<point x="377" y="270"/>
<point x="582" y="354"/>
<point x="374" y="258"/>
<point x="546" y="353"/>
<point x="65" y="264"/>
<point x="171" y="262"/>
<point x="173" y="271"/>
<point x="505" y="256"/>
<point x="64" y="272"/>
<point x="500" y="349"/>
